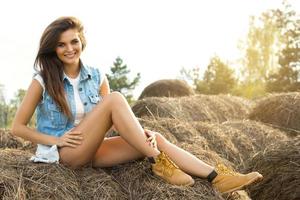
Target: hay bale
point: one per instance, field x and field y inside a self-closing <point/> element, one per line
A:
<point x="216" y="108"/>
<point x="22" y="179"/>
<point x="238" y="141"/>
<point x="259" y="135"/>
<point x="137" y="179"/>
<point x="26" y="180"/>
<point x="280" y="166"/>
<point x="280" y="110"/>
<point x="167" y="88"/>
<point x="7" y="140"/>
<point x="194" y="139"/>
<point x="235" y="141"/>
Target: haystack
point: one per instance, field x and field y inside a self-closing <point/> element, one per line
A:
<point x="22" y="179"/>
<point x="7" y="140"/>
<point x="238" y="141"/>
<point x="137" y="180"/>
<point x="233" y="141"/>
<point x="167" y="88"/>
<point x="186" y="136"/>
<point x="215" y="108"/>
<point x="259" y="135"/>
<point x="279" y="110"/>
<point x="200" y="137"/>
<point x="280" y="166"/>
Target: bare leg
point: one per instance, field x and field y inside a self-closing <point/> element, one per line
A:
<point x="114" y="151"/>
<point x="114" y="109"/>
<point x="183" y="159"/>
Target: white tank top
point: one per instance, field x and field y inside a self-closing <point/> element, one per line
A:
<point x="78" y="103"/>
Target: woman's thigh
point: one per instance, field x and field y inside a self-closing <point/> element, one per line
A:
<point x="113" y="151"/>
<point x="93" y="127"/>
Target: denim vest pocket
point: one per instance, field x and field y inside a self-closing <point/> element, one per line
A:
<point x="94" y="98"/>
<point x="58" y="119"/>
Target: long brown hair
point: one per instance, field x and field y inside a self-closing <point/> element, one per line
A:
<point x="49" y="65"/>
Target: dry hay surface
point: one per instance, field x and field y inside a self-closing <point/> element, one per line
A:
<point x="7" y="140"/>
<point x="233" y="142"/>
<point x="280" y="166"/>
<point x="215" y="108"/>
<point x="137" y="180"/>
<point x="167" y="88"/>
<point x="22" y="179"/>
<point x="280" y="110"/>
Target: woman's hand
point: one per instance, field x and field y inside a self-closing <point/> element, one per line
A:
<point x="151" y="138"/>
<point x="70" y="139"/>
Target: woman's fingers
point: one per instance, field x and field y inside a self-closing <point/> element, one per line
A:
<point x="70" y="145"/>
<point x="72" y="141"/>
<point x="151" y="139"/>
<point x="75" y="137"/>
<point x="148" y="133"/>
<point x="74" y="133"/>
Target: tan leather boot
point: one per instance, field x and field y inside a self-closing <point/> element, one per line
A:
<point x="228" y="181"/>
<point x="165" y="168"/>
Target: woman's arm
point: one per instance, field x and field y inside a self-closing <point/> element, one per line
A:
<point x="24" y="114"/>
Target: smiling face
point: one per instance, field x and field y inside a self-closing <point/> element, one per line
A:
<point x="69" y="48"/>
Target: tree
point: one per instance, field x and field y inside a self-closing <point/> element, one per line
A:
<point x="218" y="78"/>
<point x="270" y="45"/>
<point x="119" y="81"/>
<point x="14" y="104"/>
<point x="3" y="109"/>
<point x="287" y="76"/>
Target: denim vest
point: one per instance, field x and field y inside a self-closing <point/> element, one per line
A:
<point x="51" y="121"/>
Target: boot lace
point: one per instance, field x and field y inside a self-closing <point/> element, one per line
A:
<point x="222" y="169"/>
<point x="168" y="166"/>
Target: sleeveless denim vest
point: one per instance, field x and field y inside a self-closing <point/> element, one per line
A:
<point x="51" y="121"/>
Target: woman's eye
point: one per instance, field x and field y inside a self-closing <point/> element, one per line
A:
<point x="75" y="41"/>
<point x="60" y="45"/>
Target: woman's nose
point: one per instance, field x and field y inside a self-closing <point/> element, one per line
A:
<point x="69" y="47"/>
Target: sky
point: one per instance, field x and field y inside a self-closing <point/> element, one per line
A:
<point x="153" y="37"/>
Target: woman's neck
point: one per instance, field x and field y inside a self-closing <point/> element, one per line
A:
<point x="72" y="71"/>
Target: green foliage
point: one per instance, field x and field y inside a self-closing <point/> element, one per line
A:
<point x="286" y="78"/>
<point x="272" y="53"/>
<point x="218" y="78"/>
<point x="249" y="90"/>
<point x="9" y="110"/>
<point x="119" y="81"/>
<point x="260" y="48"/>
<point x="3" y="109"/>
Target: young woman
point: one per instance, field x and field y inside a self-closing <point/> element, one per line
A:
<point x="75" y="109"/>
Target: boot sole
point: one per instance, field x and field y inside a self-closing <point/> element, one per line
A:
<point x="160" y="175"/>
<point x="254" y="180"/>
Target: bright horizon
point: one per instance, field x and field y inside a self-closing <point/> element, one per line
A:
<point x="155" y="38"/>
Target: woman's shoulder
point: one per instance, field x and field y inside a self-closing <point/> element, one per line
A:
<point x="93" y="70"/>
<point x="37" y="76"/>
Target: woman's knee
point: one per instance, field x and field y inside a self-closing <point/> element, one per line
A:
<point x="114" y="98"/>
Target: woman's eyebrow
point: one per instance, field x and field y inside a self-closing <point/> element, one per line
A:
<point x="60" y="42"/>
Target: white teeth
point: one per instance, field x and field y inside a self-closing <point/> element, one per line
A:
<point x="70" y="55"/>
